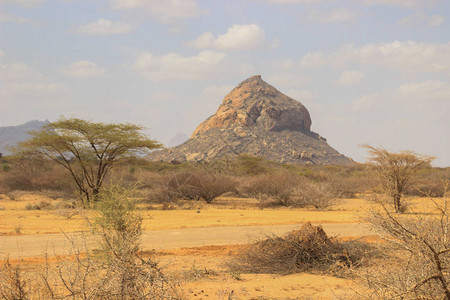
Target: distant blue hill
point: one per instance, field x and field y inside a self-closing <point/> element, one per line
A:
<point x="11" y="135"/>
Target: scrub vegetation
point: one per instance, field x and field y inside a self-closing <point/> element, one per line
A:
<point x="91" y="176"/>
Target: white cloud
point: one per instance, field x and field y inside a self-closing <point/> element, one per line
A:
<point x="401" y="3"/>
<point x="366" y="102"/>
<point x="304" y="96"/>
<point x="237" y="37"/>
<point x="412" y="116"/>
<point x="20" y="82"/>
<point x="105" y="27"/>
<point x="287" y="79"/>
<point x="83" y="69"/>
<point x="205" y="40"/>
<point x="164" y="10"/>
<point x="406" y="56"/>
<point x="15" y="71"/>
<point x="31" y="90"/>
<point x="313" y="60"/>
<point x="349" y="78"/>
<point x="8" y="18"/>
<point x="216" y="92"/>
<point x="337" y="15"/>
<point x="436" y="20"/>
<point x="178" y="67"/>
<point x="422" y="19"/>
<point x="290" y="1"/>
<point x="25" y="3"/>
<point x="425" y="92"/>
<point x="430" y="95"/>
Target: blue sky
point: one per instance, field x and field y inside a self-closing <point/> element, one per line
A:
<point x="369" y="71"/>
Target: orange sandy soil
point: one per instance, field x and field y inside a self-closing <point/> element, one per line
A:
<point x="204" y="275"/>
<point x="202" y="271"/>
<point x="15" y="219"/>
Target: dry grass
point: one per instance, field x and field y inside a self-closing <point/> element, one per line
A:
<point x="306" y="249"/>
<point x="203" y="268"/>
<point x="226" y="212"/>
<point x="242" y="212"/>
<point x="247" y="286"/>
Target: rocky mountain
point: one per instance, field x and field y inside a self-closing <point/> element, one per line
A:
<point x="257" y="119"/>
<point x="11" y="135"/>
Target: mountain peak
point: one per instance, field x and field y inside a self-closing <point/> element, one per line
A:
<point x="254" y="102"/>
<point x="256" y="119"/>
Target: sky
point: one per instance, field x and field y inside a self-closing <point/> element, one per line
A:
<point x="371" y="72"/>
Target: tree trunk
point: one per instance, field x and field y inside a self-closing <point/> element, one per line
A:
<point x="95" y="193"/>
<point x="397" y="203"/>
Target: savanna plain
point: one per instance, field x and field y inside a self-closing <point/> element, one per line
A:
<point x="242" y="229"/>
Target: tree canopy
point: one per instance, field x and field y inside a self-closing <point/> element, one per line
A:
<point x="87" y="150"/>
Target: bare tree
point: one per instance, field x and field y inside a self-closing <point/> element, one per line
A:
<point x="396" y="170"/>
<point x="418" y="247"/>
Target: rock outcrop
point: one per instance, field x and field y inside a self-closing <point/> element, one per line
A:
<point x="254" y="103"/>
<point x="257" y="119"/>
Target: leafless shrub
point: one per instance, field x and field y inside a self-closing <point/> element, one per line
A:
<point x="115" y="271"/>
<point x="13" y="282"/>
<point x="36" y="174"/>
<point x="15" y="195"/>
<point x="426" y="189"/>
<point x="306" y="249"/>
<point x="378" y="198"/>
<point x="421" y="245"/>
<point x="318" y="195"/>
<point x="18" y="229"/>
<point x="41" y="205"/>
<point x="274" y="188"/>
<point x="196" y="186"/>
<point x="195" y="273"/>
<point x="68" y="213"/>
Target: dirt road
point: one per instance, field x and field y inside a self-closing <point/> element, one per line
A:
<point x="26" y="246"/>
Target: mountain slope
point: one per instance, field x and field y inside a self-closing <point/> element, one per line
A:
<point x="11" y="135"/>
<point x="257" y="119"/>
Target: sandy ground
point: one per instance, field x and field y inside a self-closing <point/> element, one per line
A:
<point x="194" y="244"/>
<point x="25" y="246"/>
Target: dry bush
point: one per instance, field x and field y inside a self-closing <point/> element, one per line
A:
<point x="425" y="188"/>
<point x="421" y="245"/>
<point x="37" y="174"/>
<point x="306" y="249"/>
<point x="378" y="198"/>
<point x="318" y="195"/>
<point x="42" y="205"/>
<point x="114" y="271"/>
<point x="428" y="183"/>
<point x="196" y="186"/>
<point x="275" y="189"/>
<point x="13" y="283"/>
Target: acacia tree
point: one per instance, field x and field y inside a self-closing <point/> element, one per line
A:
<point x="396" y="170"/>
<point x="87" y="150"/>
